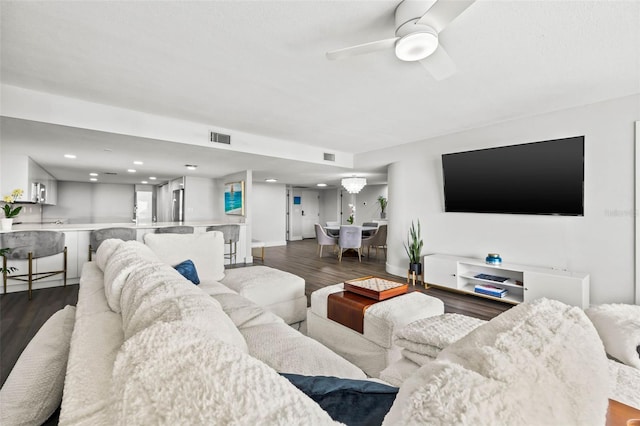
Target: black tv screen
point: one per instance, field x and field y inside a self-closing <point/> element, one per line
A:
<point x="534" y="178"/>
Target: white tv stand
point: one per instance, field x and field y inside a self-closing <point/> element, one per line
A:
<point x="459" y="273"/>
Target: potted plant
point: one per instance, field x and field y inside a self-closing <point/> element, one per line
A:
<point x="4" y="252"/>
<point x="9" y="211"/>
<point x="383" y="205"/>
<point x="413" y="247"/>
<point x="352" y="215"/>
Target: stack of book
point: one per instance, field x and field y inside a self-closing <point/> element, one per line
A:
<point x="490" y="290"/>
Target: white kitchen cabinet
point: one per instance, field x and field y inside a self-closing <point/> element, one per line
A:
<point x="523" y="283"/>
<point x="21" y="172"/>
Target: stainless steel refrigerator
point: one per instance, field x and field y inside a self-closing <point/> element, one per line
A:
<point x="177" y="212"/>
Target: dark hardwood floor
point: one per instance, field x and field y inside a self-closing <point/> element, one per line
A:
<point x="20" y="318"/>
<point x="301" y="258"/>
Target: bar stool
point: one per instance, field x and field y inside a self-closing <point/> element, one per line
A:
<point x="231" y="234"/>
<point x="180" y="229"/>
<point x="29" y="245"/>
<point x="97" y="236"/>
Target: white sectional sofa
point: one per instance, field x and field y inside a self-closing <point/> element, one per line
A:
<point x="150" y="347"/>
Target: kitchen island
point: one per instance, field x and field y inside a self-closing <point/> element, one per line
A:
<point x="77" y="242"/>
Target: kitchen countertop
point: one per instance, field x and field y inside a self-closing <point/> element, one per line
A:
<point x="93" y="226"/>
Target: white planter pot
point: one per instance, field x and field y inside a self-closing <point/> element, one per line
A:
<point x="6" y="224"/>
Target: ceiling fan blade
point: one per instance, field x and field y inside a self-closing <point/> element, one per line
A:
<point x="439" y="64"/>
<point x="443" y="12"/>
<point x="362" y="49"/>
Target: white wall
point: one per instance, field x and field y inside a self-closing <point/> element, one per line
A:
<point x="367" y="206"/>
<point x="199" y="198"/>
<point x="269" y="213"/>
<point x="600" y="243"/>
<point x="84" y="202"/>
<point x="329" y="205"/>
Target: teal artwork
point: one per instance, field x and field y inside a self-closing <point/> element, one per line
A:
<point x="234" y="198"/>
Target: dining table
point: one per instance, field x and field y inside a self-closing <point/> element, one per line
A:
<point x="337" y="228"/>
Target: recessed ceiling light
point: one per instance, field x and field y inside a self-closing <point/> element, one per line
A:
<point x="152" y="177"/>
<point x="321" y="184"/>
<point x="191" y="166"/>
<point x="72" y="156"/>
<point x="93" y="179"/>
<point x="138" y="163"/>
<point x="131" y="170"/>
<point x="271" y="180"/>
<point x="145" y="182"/>
<point x="93" y="174"/>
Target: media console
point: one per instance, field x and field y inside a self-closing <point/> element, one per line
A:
<point x="523" y="283"/>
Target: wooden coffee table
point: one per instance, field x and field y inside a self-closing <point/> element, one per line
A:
<point x="618" y="413"/>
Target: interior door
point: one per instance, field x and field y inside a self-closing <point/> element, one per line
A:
<point x="144" y="207"/>
<point x="310" y="213"/>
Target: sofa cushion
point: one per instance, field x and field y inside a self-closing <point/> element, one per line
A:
<point x="245" y="313"/>
<point x="105" y="250"/>
<point x="188" y="270"/>
<point x="289" y="351"/>
<point x="537" y="363"/>
<point x="33" y="390"/>
<point x="158" y="293"/>
<point x="206" y="250"/>
<point x="264" y="285"/>
<point x="126" y="258"/>
<point x="619" y="328"/>
<point x="205" y="382"/>
<point x="352" y="402"/>
<point x="95" y="342"/>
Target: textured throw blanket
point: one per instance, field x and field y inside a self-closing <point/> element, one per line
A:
<point x="208" y="383"/>
<point x="423" y="339"/>
<point x="625" y="384"/>
<point x="538" y="363"/>
<point x="619" y="328"/>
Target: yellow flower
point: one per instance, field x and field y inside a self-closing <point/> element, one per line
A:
<point x="17" y="193"/>
<point x="7" y="199"/>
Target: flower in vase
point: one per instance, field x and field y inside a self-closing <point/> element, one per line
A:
<point x="9" y="210"/>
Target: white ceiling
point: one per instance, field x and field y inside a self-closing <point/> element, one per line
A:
<point x="259" y="67"/>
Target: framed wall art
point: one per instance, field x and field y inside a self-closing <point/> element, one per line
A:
<point x="234" y="198"/>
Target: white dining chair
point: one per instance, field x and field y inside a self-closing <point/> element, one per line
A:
<point x="324" y="239"/>
<point x="350" y="238"/>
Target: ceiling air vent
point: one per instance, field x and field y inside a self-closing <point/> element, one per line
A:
<point x="110" y="173"/>
<point x="329" y="157"/>
<point x="220" y="138"/>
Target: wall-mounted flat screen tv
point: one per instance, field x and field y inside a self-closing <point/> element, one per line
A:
<point x="533" y="178"/>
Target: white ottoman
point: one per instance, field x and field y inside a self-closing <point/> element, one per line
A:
<point x="373" y="350"/>
<point x="277" y="291"/>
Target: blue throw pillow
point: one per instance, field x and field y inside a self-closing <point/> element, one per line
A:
<point x="352" y="402"/>
<point x="188" y="270"/>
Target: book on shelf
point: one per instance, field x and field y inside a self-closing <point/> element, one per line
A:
<point x="490" y="290"/>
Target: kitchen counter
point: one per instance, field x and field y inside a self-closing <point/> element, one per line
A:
<point x="93" y="226"/>
<point x="77" y="237"/>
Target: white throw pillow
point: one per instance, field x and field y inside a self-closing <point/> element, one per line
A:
<point x="205" y="250"/>
<point x="33" y="390"/>
<point x="618" y="325"/>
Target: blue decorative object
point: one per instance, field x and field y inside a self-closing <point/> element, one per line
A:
<point x="188" y="270"/>
<point x="297" y="200"/>
<point x="493" y="259"/>
<point x="352" y="402"/>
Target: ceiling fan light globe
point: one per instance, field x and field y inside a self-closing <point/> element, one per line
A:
<point x="416" y="46"/>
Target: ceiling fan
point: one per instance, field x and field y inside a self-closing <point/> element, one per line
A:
<point x="418" y="24"/>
